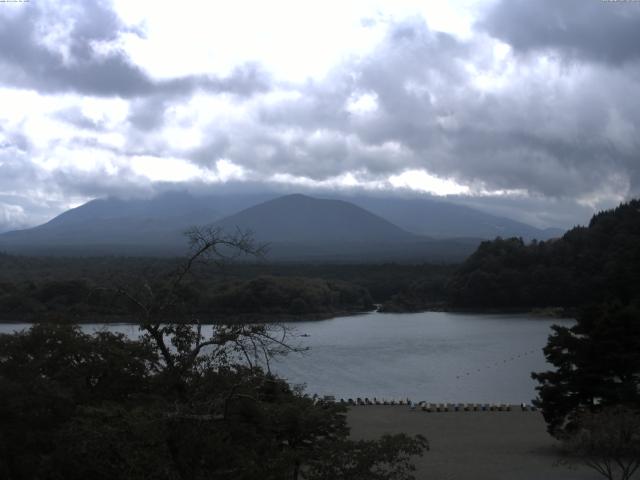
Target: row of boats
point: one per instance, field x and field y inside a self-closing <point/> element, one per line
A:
<point x="434" y="407"/>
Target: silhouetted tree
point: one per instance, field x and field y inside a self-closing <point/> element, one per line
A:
<point x="597" y="364"/>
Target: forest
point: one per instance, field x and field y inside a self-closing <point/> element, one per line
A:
<point x="596" y="263"/>
<point x="85" y="289"/>
<point x="175" y="404"/>
<point x="592" y="264"/>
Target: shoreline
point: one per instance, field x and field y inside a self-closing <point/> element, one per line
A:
<point x="221" y="319"/>
<point x="277" y="318"/>
<point x="550" y="312"/>
<point x="546" y="312"/>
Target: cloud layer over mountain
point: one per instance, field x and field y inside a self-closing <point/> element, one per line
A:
<point x="529" y="108"/>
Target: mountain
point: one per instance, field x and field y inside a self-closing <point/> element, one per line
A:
<point x="138" y="226"/>
<point x="306" y="220"/>
<point x="114" y="225"/>
<point x="298" y="227"/>
<point x="301" y="228"/>
<point x="439" y="219"/>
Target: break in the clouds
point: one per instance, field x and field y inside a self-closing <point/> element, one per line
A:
<point x="525" y="108"/>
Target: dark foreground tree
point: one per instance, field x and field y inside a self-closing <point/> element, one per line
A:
<point x="608" y="442"/>
<point x="597" y="365"/>
<point x="176" y="403"/>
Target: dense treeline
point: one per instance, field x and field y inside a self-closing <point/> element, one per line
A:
<point x="81" y="289"/>
<point x="591" y="264"/>
<point x="382" y="280"/>
<point x="426" y="293"/>
<point x="284" y="295"/>
<point x="265" y="296"/>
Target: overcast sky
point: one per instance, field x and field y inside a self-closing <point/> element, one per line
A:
<point x="525" y="108"/>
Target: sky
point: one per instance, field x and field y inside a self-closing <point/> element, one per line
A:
<point x="529" y="109"/>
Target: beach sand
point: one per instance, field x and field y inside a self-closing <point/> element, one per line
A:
<point x="473" y="445"/>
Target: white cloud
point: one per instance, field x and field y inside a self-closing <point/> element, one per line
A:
<point x="362" y="104"/>
<point x="166" y="169"/>
<point x="339" y="95"/>
<point x="294" y="40"/>
<point x="422" y="181"/>
<point x="12" y="216"/>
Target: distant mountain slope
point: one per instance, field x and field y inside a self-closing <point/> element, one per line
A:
<point x="298" y="227"/>
<point x="305" y="220"/>
<point x="302" y="228"/>
<point x="100" y="224"/>
<point x="440" y="219"/>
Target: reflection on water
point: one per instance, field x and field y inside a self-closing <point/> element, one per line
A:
<point x="433" y="356"/>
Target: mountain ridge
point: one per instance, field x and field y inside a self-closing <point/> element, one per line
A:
<point x="299" y="226"/>
<point x="298" y="218"/>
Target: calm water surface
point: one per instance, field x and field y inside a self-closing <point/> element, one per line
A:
<point x="433" y="356"/>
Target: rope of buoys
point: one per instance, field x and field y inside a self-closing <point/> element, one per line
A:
<point x="434" y="407"/>
<point x="495" y="364"/>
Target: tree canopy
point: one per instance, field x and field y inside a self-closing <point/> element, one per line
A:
<point x="591" y="264"/>
<point x="173" y="404"/>
<point x="597" y="365"/>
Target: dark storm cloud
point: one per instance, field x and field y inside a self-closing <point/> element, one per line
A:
<point x="26" y="62"/>
<point x="316" y="136"/>
<point x="569" y="133"/>
<point x="147" y="113"/>
<point x="215" y="147"/>
<point x="100" y="183"/>
<point x="565" y="136"/>
<point x="595" y="30"/>
<point x="413" y="75"/>
<point x="412" y="55"/>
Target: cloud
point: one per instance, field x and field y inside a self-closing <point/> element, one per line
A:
<point x="74" y="46"/>
<point x="450" y="108"/>
<point x="317" y="133"/>
<point x="516" y="123"/>
<point x="591" y="30"/>
<point x="74" y="116"/>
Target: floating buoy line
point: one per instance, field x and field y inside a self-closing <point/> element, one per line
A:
<point x="497" y="363"/>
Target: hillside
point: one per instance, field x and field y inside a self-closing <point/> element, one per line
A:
<point x="136" y="226"/>
<point x="114" y="223"/>
<point x="440" y="219"/>
<point x="302" y="228"/>
<point x="600" y="262"/>
<point x="298" y="227"/>
<point x="299" y="219"/>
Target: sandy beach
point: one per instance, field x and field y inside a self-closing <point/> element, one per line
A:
<point x="473" y="445"/>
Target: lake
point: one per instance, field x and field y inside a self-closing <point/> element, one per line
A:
<point x="432" y="356"/>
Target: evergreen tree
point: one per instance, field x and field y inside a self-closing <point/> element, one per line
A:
<point x="597" y="364"/>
